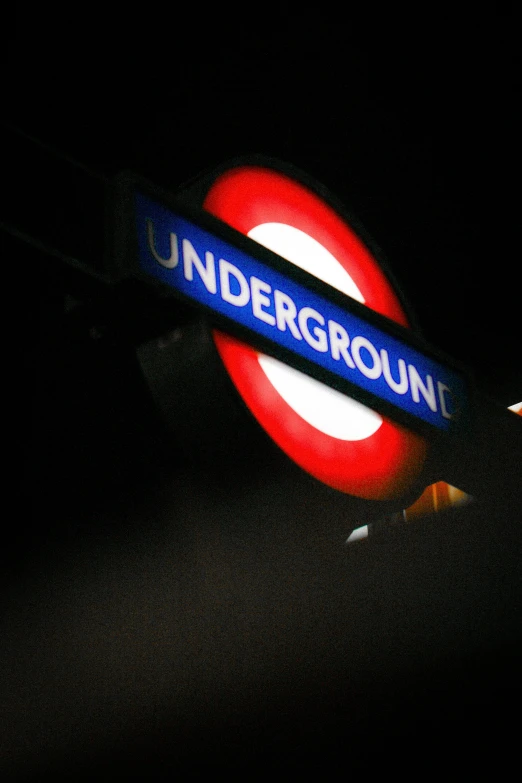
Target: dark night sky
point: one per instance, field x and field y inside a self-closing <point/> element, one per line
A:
<point x="127" y="633"/>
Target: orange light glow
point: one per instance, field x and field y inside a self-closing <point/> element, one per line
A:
<point x="440" y="496"/>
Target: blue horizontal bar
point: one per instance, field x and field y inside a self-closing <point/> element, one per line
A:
<point x="246" y="290"/>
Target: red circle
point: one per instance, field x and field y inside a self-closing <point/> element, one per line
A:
<point x="380" y="467"/>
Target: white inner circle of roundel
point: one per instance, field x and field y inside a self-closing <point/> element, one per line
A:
<point x="324" y="408"/>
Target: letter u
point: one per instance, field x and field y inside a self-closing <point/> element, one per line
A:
<point x="400" y="387"/>
<point x="173" y="260"/>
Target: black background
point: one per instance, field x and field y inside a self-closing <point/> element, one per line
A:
<point x="158" y="623"/>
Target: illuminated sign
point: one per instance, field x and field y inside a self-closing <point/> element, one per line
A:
<point x="340" y="442"/>
<point x="310" y="326"/>
<point x="292" y="315"/>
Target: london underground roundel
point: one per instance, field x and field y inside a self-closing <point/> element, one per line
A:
<point x="335" y="439"/>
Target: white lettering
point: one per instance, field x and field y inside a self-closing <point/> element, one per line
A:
<point x="441" y="387"/>
<point x="206" y="272"/>
<point x="286" y="312"/>
<point x="318" y="341"/>
<point x="375" y="370"/>
<point x="400" y="387"/>
<point x="173" y="260"/>
<point x="417" y="385"/>
<point x="339" y="342"/>
<point x="259" y="300"/>
<point x="225" y="270"/>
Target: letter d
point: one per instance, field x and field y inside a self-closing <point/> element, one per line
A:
<point x="225" y="270"/>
